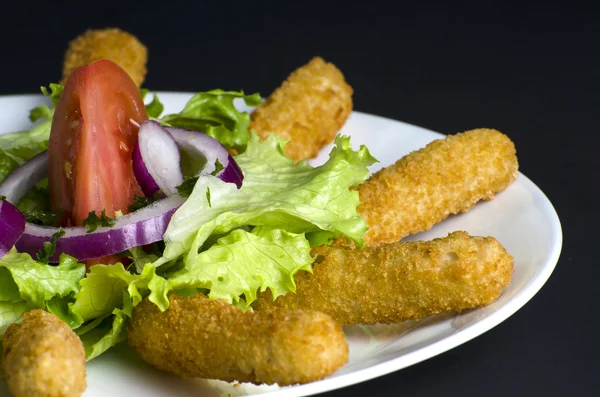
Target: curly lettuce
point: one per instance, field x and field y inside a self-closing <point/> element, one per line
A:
<point x="214" y="113"/>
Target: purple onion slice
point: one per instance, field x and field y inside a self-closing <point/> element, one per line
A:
<point x="144" y="226"/>
<point x="12" y="226"/>
<point x="21" y="180"/>
<point x="199" y="144"/>
<point x="156" y="160"/>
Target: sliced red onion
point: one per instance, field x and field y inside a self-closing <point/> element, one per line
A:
<point x="12" y="226"/>
<point x="197" y="143"/>
<point x="144" y="226"/>
<point x="21" y="180"/>
<point x="156" y="160"/>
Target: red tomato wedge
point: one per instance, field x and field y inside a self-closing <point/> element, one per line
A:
<point x="91" y="142"/>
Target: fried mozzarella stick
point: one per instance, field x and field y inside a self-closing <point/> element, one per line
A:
<point x="117" y="45"/>
<point x="211" y="339"/>
<point x="308" y="109"/>
<point x="402" y="281"/>
<point x="446" y="177"/>
<point x="43" y="357"/>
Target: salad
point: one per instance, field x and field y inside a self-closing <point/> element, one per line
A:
<point x="91" y="223"/>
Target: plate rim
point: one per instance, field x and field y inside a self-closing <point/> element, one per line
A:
<point x="450" y="342"/>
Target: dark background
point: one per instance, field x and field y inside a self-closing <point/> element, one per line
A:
<point x="529" y="71"/>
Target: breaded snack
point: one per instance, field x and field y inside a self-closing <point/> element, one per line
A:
<point x="43" y="357"/>
<point x="198" y="337"/>
<point x="402" y="281"/>
<point x="117" y="45"/>
<point x="308" y="109"/>
<point x="446" y="177"/>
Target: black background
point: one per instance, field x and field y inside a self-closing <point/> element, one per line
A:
<point x="529" y="71"/>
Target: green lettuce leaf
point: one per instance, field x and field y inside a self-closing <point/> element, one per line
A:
<point x="36" y="199"/>
<point x="141" y="258"/>
<point x="53" y="92"/>
<point x="155" y="108"/>
<point x="26" y="284"/>
<point x="11" y="313"/>
<point x="7" y="164"/>
<point x="41" y="112"/>
<point x="214" y="113"/>
<point x="60" y="307"/>
<point x="23" y="145"/>
<point x="109" y="331"/>
<point x="242" y="263"/>
<point x="38" y="283"/>
<point x="105" y="303"/>
<point x="18" y="147"/>
<point x="105" y="286"/>
<point x="277" y="193"/>
<point x="35" y="205"/>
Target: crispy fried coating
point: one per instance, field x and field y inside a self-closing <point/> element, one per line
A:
<point x="391" y="283"/>
<point x="211" y="339"/>
<point x="43" y="357"/>
<point x="448" y="176"/>
<point x="111" y="43"/>
<point x="308" y="109"/>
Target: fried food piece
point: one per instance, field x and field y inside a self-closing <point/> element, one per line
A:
<point x="43" y="357"/>
<point x="446" y="177"/>
<point x="117" y="45"/>
<point x="308" y="109"/>
<point x="211" y="339"/>
<point x="402" y="281"/>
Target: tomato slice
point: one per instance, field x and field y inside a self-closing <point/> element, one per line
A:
<point x="91" y="142"/>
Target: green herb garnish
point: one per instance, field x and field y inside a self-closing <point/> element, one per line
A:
<point x="43" y="218"/>
<point x="49" y="249"/>
<point x="141" y="202"/>
<point x="218" y="167"/>
<point x="187" y="187"/>
<point x="93" y="221"/>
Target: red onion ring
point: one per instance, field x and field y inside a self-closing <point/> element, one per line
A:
<point x="197" y="143"/>
<point x="156" y="160"/>
<point x="144" y="226"/>
<point x="21" y="180"/>
<point x="141" y="227"/>
<point x="12" y="226"/>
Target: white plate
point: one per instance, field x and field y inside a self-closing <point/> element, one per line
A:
<point x="521" y="218"/>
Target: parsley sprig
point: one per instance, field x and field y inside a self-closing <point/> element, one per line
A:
<point x="49" y="249"/>
<point x="141" y="202"/>
<point x="187" y="187"/>
<point x="94" y="221"/>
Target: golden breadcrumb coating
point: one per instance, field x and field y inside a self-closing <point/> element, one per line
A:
<point x="308" y="109"/>
<point x="402" y="281"/>
<point x="111" y="43"/>
<point x="446" y="177"/>
<point x="211" y="339"/>
<point x="43" y="357"/>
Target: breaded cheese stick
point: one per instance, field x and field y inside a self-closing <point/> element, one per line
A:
<point x="211" y="339"/>
<point x="402" y="281"/>
<point x="111" y="43"/>
<point x="43" y="357"/>
<point x="448" y="176"/>
<point x="308" y="109"/>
